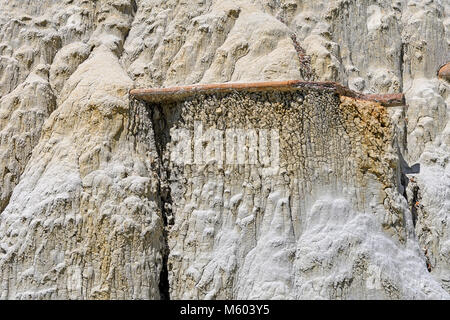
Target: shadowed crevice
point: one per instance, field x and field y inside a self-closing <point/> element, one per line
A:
<point x="141" y="125"/>
<point x="159" y="124"/>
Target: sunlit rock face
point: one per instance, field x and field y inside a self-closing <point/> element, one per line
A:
<point x="88" y="208"/>
<point x="253" y="221"/>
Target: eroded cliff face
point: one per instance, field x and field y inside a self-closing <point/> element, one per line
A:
<point x="277" y="229"/>
<point x="88" y="209"/>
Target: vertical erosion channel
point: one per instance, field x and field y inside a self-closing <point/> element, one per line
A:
<point x="144" y="127"/>
<point x="162" y="136"/>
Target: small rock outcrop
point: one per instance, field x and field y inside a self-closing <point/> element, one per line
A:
<point x="444" y="72"/>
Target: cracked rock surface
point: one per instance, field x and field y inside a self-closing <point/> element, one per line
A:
<point x="90" y="205"/>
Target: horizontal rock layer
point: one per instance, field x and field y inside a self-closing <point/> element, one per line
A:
<point x="181" y="92"/>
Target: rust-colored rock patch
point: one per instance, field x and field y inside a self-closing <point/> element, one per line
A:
<point x="444" y="72"/>
<point x="182" y="92"/>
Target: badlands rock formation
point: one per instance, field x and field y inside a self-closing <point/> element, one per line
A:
<point x="90" y="205"/>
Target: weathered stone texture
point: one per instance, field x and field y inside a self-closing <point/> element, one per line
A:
<point x="237" y="228"/>
<point x="84" y="196"/>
